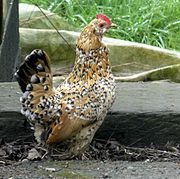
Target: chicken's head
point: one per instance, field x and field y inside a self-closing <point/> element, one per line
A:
<point x="101" y="24"/>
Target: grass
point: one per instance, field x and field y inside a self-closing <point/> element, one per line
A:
<point x="153" y="22"/>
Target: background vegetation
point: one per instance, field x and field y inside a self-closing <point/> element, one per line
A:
<point x="154" y="22"/>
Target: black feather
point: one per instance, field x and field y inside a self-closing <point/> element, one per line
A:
<point x="28" y="72"/>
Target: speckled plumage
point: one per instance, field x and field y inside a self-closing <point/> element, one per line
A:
<point x="74" y="111"/>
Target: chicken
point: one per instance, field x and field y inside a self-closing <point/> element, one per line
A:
<point x="72" y="112"/>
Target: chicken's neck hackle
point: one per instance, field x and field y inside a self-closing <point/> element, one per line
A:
<point x="92" y="60"/>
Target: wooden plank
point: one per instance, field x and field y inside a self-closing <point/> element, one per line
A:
<point x="143" y="113"/>
<point x="131" y="97"/>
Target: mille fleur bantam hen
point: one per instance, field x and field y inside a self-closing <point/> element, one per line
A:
<point x="72" y="112"/>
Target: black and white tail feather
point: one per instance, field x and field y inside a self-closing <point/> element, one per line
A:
<point x="39" y="97"/>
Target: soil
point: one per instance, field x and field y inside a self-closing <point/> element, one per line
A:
<point x="104" y="159"/>
<point x="90" y="169"/>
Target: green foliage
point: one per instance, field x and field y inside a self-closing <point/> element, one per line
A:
<point x="154" y="22"/>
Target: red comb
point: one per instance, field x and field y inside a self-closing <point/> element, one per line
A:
<point x="103" y="17"/>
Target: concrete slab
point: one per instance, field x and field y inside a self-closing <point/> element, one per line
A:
<point x="143" y="113"/>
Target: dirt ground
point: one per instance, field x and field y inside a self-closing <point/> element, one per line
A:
<point x="104" y="159"/>
<point x="91" y="169"/>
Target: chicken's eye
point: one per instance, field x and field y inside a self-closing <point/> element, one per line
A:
<point x="101" y="25"/>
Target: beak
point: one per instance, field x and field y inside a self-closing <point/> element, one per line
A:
<point x="113" y="25"/>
